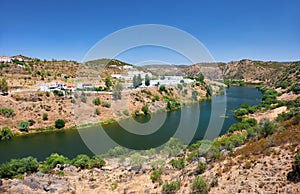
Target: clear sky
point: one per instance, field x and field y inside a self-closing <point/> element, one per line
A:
<point x="230" y="29"/>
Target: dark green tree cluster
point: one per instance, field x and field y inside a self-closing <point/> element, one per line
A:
<point x="18" y="166"/>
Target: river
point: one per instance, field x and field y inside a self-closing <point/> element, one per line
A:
<point x="70" y="143"/>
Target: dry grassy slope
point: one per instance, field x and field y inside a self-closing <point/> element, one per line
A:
<point x="273" y="74"/>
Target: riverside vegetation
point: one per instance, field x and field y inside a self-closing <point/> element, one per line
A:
<point x="251" y="157"/>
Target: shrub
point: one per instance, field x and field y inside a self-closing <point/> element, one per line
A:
<point x="266" y="128"/>
<point x="162" y="88"/>
<point x="251" y="121"/>
<point x="18" y="166"/>
<point x="81" y="161"/>
<point x="5" y="133"/>
<point x="83" y="98"/>
<point x="155" y="98"/>
<point x="146" y="92"/>
<point x="239" y="126"/>
<point x="172" y="147"/>
<point x="116" y="152"/>
<point x="157" y="163"/>
<point x="106" y="104"/>
<point x="150" y="152"/>
<point x="58" y="93"/>
<point x="199" y="185"/>
<point x="45" y="116"/>
<point x="52" y="161"/>
<point x="171" y="188"/>
<point x="24" y="126"/>
<point x="240" y="112"/>
<point x="156" y="175"/>
<point x="59" y="123"/>
<point x="7" y="112"/>
<point x="97" y="111"/>
<point x="178" y="164"/>
<point x="137" y="112"/>
<point x="96" y="101"/>
<point x="145" y="109"/>
<point x="126" y="112"/>
<point x="96" y="162"/>
<point x="136" y="160"/>
<point x="201" y="167"/>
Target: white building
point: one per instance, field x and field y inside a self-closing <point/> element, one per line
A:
<point x="5" y="59"/>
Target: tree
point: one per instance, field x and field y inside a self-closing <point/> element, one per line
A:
<point x="200" y="78"/>
<point x="24" y="126"/>
<point x="117" y="91"/>
<point x="107" y="83"/>
<point x="59" y="123"/>
<point x="147" y="80"/>
<point x="139" y="80"/>
<point x="5" y="133"/>
<point x="3" y="85"/>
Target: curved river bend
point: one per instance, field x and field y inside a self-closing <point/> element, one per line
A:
<point x="70" y="144"/>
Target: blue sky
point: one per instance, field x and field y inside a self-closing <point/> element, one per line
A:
<point x="230" y="30"/>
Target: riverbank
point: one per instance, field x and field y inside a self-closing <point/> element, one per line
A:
<point x="42" y="110"/>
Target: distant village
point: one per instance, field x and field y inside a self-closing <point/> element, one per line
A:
<point x="126" y="78"/>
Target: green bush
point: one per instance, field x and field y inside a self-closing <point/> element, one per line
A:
<point x="156" y="175"/>
<point x="126" y="112"/>
<point x="136" y="160"/>
<point x="106" y="104"/>
<point x="145" y="109"/>
<point x="146" y="92"/>
<point x="201" y="167"/>
<point x="200" y="185"/>
<point x="52" y="161"/>
<point x="45" y="116"/>
<point x="178" y="164"/>
<point x="18" y="166"/>
<point x="251" y="121"/>
<point x="239" y="126"/>
<point x="81" y="161"/>
<point x="83" y="97"/>
<point x="172" y="147"/>
<point x="58" y="93"/>
<point x="155" y="98"/>
<point x="162" y="88"/>
<point x="60" y="123"/>
<point x="97" y="111"/>
<point x="240" y="112"/>
<point x="171" y="188"/>
<point x="5" y="133"/>
<point x="24" y="126"/>
<point x="96" y="101"/>
<point x="96" y="162"/>
<point x="7" y="112"/>
<point x="266" y="128"/>
<point x="116" y="152"/>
